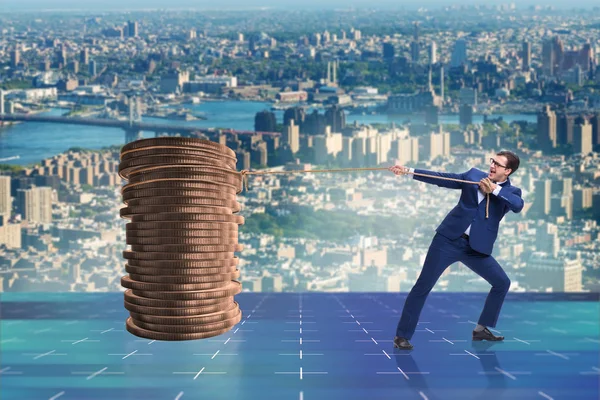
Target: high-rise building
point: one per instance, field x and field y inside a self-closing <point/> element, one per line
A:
<point x="10" y="235"/>
<point x="1" y="102"/>
<point x="546" y="238"/>
<point x="335" y="117"/>
<point x="436" y="144"/>
<point x="84" y="56"/>
<point x="526" y="56"/>
<point x="388" y="51"/>
<point x="546" y="129"/>
<point x="272" y="283"/>
<point x="132" y="29"/>
<point x="61" y="56"/>
<point x="432" y="115"/>
<point x="459" y="54"/>
<point x="415" y="52"/>
<point x="564" y="128"/>
<point x="295" y="113"/>
<point x="75" y="271"/>
<point x="543" y="193"/>
<point x="264" y="121"/>
<point x="432" y="53"/>
<point x="552" y="55"/>
<point x="74" y="66"/>
<point x="545" y="272"/>
<point x="92" y="68"/>
<point x="5" y="197"/>
<point x="466" y="114"/>
<point x="15" y="58"/>
<point x="292" y="136"/>
<point x="35" y="204"/>
<point x="582" y="198"/>
<point x="595" y="121"/>
<point x="442" y="83"/>
<point x="468" y="96"/>
<point x="582" y="137"/>
<point x="548" y="57"/>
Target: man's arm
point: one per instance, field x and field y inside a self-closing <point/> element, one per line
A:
<point x="512" y="197"/>
<point x="440" y="182"/>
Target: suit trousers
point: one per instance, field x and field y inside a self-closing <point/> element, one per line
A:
<point x="441" y="254"/>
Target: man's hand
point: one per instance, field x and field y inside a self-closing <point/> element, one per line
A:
<point x="486" y="185"/>
<point x="399" y="169"/>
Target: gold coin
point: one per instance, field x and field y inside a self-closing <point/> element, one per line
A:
<point x="202" y="319"/>
<point x="177" y="311"/>
<point x="183" y="279"/>
<point x="182" y="226"/>
<point x="174" y="303"/>
<point x="179" y="271"/>
<point x="232" y="288"/>
<point x="180" y="240"/>
<point x="184" y="264"/>
<point x="129" y="283"/>
<point x="228" y="323"/>
<point x="143" y="255"/>
<point x="148" y="334"/>
<point x="178" y="142"/>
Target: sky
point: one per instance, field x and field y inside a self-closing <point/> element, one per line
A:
<point x="32" y="5"/>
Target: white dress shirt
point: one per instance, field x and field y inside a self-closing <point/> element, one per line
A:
<point x="480" y="195"/>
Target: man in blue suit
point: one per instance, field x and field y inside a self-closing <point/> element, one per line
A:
<point x="468" y="236"/>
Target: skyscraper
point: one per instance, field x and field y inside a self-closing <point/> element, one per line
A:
<point x="564" y="128"/>
<point x="1" y="101"/>
<point x="292" y="136"/>
<point x="388" y="51"/>
<point x="595" y="121"/>
<point x="459" y="54"/>
<point x="265" y="121"/>
<point x="526" y="56"/>
<point x="5" y="198"/>
<point x="415" y="47"/>
<point x="432" y="53"/>
<point x="92" y="68"/>
<point x="546" y="129"/>
<point x="295" y="113"/>
<point x="552" y="55"/>
<point x="84" y="56"/>
<point x="582" y="137"/>
<point x="557" y="274"/>
<point x="132" y="29"/>
<point x="466" y="114"/>
<point x="335" y="117"/>
<point x="543" y="194"/>
<point x="35" y="204"/>
<point x="442" y="83"/>
<point x="415" y="52"/>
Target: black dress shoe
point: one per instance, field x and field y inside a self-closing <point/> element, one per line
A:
<point x="486" y="335"/>
<point x="402" y="343"/>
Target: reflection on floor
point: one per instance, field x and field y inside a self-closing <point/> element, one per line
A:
<point x="303" y="346"/>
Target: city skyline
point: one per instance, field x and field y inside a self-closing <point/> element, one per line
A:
<point x="65" y="5"/>
<point x="416" y="88"/>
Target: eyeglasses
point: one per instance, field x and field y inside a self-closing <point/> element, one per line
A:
<point x="494" y="162"/>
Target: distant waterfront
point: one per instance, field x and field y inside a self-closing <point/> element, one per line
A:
<point x="28" y="143"/>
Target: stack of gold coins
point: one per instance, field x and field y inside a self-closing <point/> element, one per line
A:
<point x="181" y="200"/>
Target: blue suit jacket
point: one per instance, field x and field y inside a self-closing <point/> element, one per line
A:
<point x="469" y="212"/>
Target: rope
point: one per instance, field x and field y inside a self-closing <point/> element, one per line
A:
<point x="246" y="172"/>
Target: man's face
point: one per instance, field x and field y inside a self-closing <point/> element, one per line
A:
<point x="498" y="170"/>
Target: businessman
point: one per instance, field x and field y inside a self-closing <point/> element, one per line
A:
<point x="466" y="235"/>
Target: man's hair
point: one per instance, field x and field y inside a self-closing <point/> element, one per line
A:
<point x="512" y="160"/>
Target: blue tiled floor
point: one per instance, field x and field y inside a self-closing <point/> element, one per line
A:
<point x="303" y="346"/>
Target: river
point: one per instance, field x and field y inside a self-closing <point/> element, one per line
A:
<point x="29" y="143"/>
